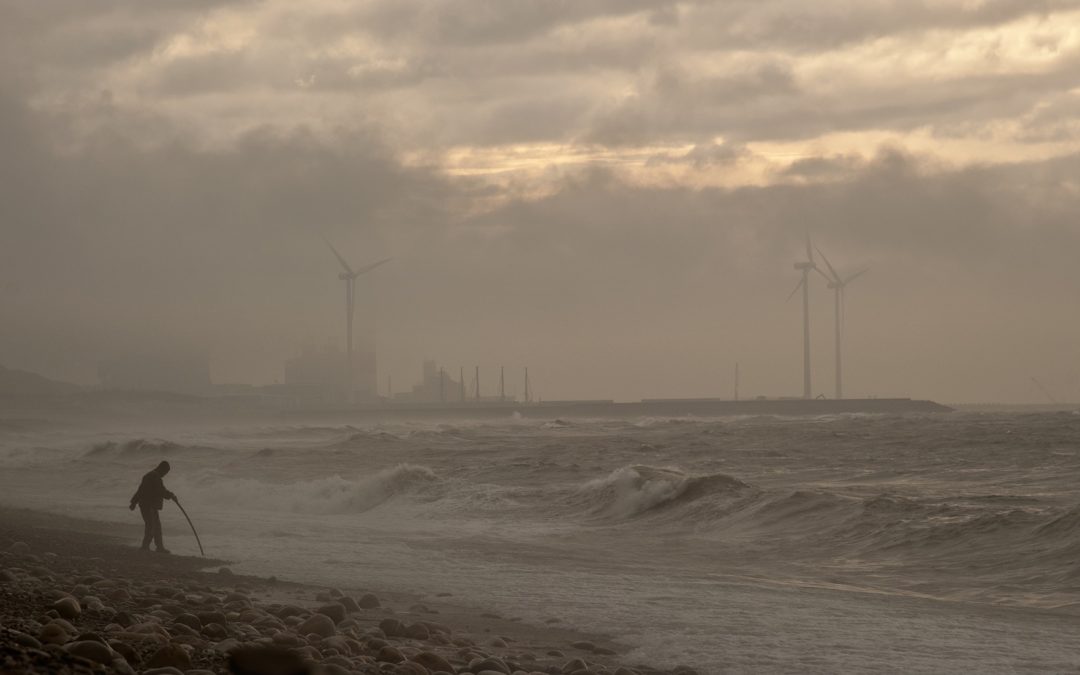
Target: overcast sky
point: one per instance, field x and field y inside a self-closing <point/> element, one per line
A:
<point x="612" y="192"/>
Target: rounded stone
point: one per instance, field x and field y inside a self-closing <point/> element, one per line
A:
<point x="432" y="661"/>
<point x="349" y="604"/>
<point x="189" y="620"/>
<point x="369" y="601"/>
<point x="92" y="650"/>
<point x="489" y="663"/>
<point x="24" y="639"/>
<point x="125" y="650"/>
<point x="19" y="548"/>
<point x="319" y="624"/>
<point x="390" y="654"/>
<point x="391" y="627"/>
<point x="170" y="655"/>
<point x="574" y="665"/>
<point x="67" y="607"/>
<point x="53" y="633"/>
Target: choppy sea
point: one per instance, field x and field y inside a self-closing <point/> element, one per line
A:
<point x="862" y="543"/>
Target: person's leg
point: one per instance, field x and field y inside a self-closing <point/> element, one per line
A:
<point x="157" y="531"/>
<point x="148" y="516"/>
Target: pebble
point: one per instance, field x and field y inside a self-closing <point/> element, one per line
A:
<point x="261" y="660"/>
<point x="19" y="548"/>
<point x="349" y="604"/>
<point x="411" y="668"/>
<point x="390" y="654"/>
<point x="125" y="650"/>
<point x="53" y="633"/>
<point x="489" y="663"/>
<point x="369" y="601"/>
<point x="319" y="624"/>
<point x="574" y="666"/>
<point x="24" y="639"/>
<point x="189" y="620"/>
<point x="432" y="662"/>
<point x="391" y="627"/>
<point x="90" y="649"/>
<point x="67" y="607"/>
<point x="170" y="655"/>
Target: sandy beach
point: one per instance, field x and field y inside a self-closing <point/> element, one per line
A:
<point x="76" y="596"/>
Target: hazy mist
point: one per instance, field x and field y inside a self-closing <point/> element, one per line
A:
<point x="610" y="193"/>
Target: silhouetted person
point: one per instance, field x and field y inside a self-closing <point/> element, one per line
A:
<point x="150" y="497"/>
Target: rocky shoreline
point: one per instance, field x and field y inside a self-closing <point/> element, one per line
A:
<point x="74" y="600"/>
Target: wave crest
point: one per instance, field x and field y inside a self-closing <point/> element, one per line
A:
<point x="632" y="491"/>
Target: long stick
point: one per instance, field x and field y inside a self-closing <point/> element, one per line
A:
<point x="192" y="527"/>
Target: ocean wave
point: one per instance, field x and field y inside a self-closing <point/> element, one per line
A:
<point x="632" y="491"/>
<point x="326" y="496"/>
<point x="137" y="447"/>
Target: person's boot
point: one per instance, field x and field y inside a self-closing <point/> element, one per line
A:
<point x="161" y="550"/>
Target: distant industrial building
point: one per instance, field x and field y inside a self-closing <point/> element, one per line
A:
<point x="435" y="386"/>
<point x="164" y="371"/>
<point x="438" y="386"/>
<point x="324" y="374"/>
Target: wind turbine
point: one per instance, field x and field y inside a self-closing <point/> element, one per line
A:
<point x="838" y="284"/>
<point x="805" y="267"/>
<point x="349" y="276"/>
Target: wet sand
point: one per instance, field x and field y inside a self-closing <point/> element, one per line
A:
<point x="77" y="596"/>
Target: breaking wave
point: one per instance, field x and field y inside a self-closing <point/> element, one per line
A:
<point x="325" y="496"/>
<point x="632" y="491"/>
<point x="137" y="447"/>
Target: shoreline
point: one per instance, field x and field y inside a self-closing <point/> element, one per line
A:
<point x="146" y="607"/>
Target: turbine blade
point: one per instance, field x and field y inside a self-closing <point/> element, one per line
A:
<point x="809" y="249"/>
<point x="832" y="270"/>
<point x="368" y="268"/>
<point x="855" y="276"/>
<point x="796" y="290"/>
<point x="338" y="256"/>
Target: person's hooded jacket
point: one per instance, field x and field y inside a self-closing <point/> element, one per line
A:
<point x="152" y="493"/>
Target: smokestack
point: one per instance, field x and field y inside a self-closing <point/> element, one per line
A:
<point x="502" y="383"/>
<point x="478" y="384"/>
<point x="526" y="384"/>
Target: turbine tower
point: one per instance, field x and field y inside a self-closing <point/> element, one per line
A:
<point x="349" y="276"/>
<point x="805" y="267"/>
<point x="838" y="284"/>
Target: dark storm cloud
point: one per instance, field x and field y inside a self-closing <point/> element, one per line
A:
<point x="487" y="72"/>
